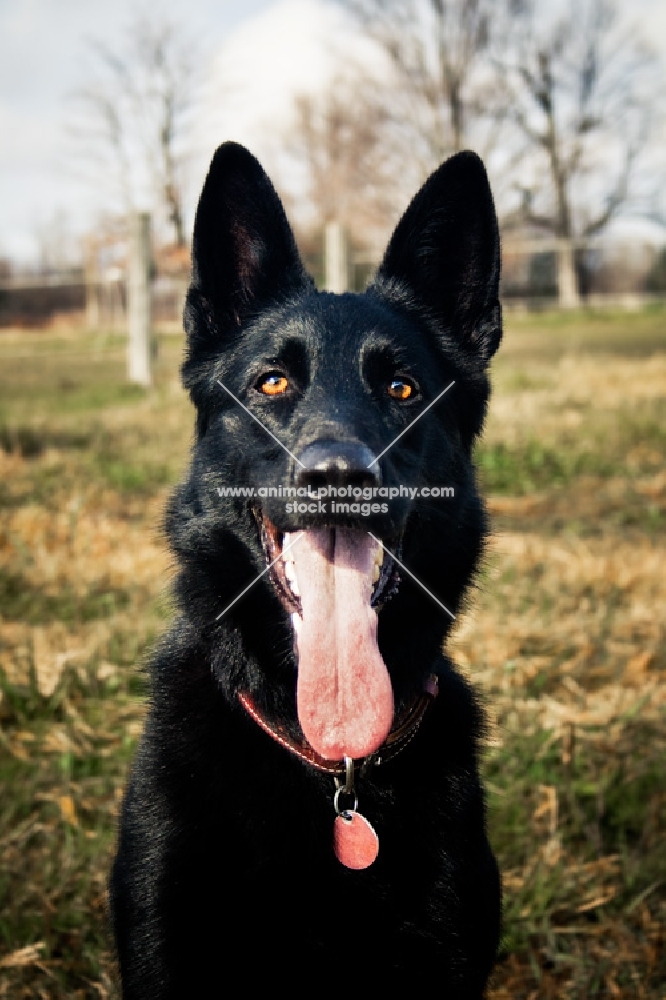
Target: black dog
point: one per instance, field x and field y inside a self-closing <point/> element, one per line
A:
<point x="238" y="866"/>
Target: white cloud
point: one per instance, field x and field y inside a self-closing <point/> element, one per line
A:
<point x="295" y="46"/>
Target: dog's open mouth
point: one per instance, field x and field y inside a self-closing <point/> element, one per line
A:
<point x="331" y="580"/>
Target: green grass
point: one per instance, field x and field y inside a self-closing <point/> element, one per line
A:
<point x="616" y="443"/>
<point x="534" y="466"/>
<point x="22" y="601"/>
<point x="547" y="336"/>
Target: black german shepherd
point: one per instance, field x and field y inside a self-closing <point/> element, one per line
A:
<point x="305" y="807"/>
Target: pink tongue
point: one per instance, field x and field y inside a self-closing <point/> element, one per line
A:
<point x="344" y="694"/>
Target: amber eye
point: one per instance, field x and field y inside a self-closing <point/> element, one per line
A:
<point x="400" y="389"/>
<point x="274" y="384"/>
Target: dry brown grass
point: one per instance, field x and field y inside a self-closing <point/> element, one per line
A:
<point x="564" y="638"/>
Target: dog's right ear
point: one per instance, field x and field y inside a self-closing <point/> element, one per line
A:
<point x="444" y="257"/>
<point x="244" y="254"/>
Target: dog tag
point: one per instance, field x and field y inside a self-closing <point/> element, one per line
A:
<point x="355" y="843"/>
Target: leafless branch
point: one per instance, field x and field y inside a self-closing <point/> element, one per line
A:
<point x="577" y="93"/>
<point x="440" y="54"/>
<point x="131" y="116"/>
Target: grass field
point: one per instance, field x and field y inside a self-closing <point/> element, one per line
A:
<point x="564" y="639"/>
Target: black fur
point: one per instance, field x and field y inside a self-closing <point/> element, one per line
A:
<point x="225" y="867"/>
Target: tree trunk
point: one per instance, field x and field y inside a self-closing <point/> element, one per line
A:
<point x="567" y="278"/>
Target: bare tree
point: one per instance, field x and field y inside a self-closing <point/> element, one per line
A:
<point x="393" y="114"/>
<point x="440" y="52"/>
<point x="58" y="246"/>
<point x="342" y="140"/>
<point x="577" y="92"/>
<point x="132" y="116"/>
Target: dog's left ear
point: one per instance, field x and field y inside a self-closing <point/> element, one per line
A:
<point x="244" y="254"/>
<point x="444" y="256"/>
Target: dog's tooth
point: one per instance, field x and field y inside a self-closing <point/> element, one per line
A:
<point x="375" y="572"/>
<point x="288" y="556"/>
<point x="290" y="573"/>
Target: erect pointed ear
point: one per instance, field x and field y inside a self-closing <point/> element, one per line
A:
<point x="444" y="256"/>
<point x="244" y="254"/>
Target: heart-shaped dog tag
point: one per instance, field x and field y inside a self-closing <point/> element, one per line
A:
<point x="355" y="843"/>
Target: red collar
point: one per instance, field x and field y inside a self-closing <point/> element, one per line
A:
<point x="403" y="731"/>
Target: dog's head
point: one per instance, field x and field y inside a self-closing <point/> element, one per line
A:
<point x="330" y="412"/>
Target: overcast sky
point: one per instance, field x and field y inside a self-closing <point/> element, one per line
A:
<point x="43" y="58"/>
<point x="277" y="46"/>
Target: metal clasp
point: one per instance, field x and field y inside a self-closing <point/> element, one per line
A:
<point x="345" y="791"/>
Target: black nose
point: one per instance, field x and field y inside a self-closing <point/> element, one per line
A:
<point x="337" y="463"/>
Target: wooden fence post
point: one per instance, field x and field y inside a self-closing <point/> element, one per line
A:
<point x="138" y="299"/>
<point x="92" y="279"/>
<point x="336" y="258"/>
